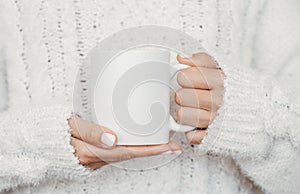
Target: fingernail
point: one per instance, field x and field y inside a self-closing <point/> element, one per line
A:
<point x="108" y="139"/>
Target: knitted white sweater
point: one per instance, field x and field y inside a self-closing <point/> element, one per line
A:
<point x="252" y="146"/>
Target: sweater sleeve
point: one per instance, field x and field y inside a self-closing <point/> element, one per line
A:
<point x="35" y="141"/>
<point x="258" y="125"/>
<point x="35" y="144"/>
<point x="259" y="129"/>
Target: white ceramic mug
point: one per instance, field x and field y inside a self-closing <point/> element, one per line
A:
<point x="131" y="96"/>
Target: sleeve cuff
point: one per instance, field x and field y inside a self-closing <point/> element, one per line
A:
<point x="239" y="128"/>
<point x="51" y="140"/>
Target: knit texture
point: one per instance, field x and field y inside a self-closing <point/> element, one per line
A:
<point x="38" y="147"/>
<point x="251" y="147"/>
<point x="258" y="130"/>
<point x="239" y="129"/>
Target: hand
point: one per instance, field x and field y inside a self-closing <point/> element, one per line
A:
<point x="95" y="146"/>
<point x="201" y="94"/>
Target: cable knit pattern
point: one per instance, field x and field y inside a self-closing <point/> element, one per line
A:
<point x="251" y="147"/>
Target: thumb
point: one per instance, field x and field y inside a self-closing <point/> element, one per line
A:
<point x="91" y="133"/>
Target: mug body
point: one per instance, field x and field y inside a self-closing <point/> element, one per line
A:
<point x="131" y="95"/>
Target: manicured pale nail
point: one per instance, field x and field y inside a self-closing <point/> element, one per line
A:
<point x="108" y="139"/>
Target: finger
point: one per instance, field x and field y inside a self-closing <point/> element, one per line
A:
<point x="199" y="118"/>
<point x="196" y="98"/>
<point x="195" y="136"/>
<point x="91" y="133"/>
<point x="121" y="153"/>
<point x="151" y="150"/>
<point x="96" y="165"/>
<point x="200" y="78"/>
<point x="88" y="153"/>
<point x="198" y="59"/>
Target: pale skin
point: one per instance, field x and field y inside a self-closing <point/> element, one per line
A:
<point x="199" y="99"/>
